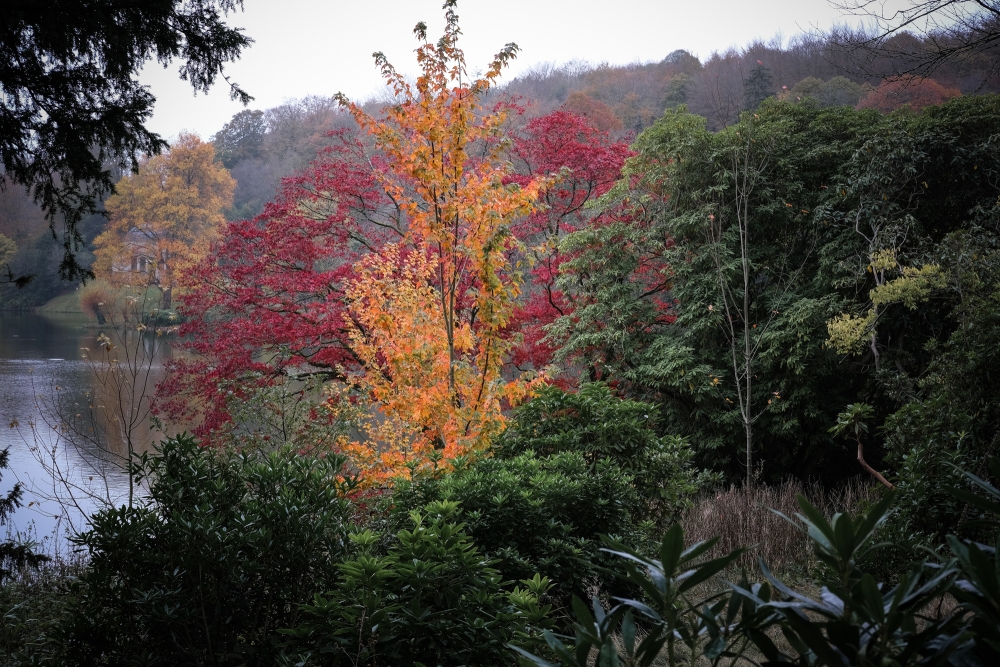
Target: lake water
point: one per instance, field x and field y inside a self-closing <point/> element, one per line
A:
<point x="63" y="416"/>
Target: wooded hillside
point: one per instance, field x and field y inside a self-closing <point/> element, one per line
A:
<point x="260" y="147"/>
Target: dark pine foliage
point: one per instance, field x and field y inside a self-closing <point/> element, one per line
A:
<point x="13" y="553"/>
<point x="71" y="104"/>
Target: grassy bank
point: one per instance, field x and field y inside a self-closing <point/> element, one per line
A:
<point x="71" y="302"/>
<point x="63" y="304"/>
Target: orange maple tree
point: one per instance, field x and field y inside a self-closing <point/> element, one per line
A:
<point x="163" y="219"/>
<point x="427" y="320"/>
<point x="408" y="364"/>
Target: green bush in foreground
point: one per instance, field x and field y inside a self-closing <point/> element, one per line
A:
<point x="570" y="467"/>
<point x="251" y="559"/>
<point x="600" y="426"/>
<point x="537" y="515"/>
<point x="433" y="599"/>
<point x="213" y="563"/>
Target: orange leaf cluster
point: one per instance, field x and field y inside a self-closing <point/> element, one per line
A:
<point x="910" y="91"/>
<point x="397" y="332"/>
<point x="426" y="319"/>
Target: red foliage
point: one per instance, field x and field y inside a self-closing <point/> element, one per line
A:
<point x="588" y="163"/>
<point x="270" y="298"/>
<point x="914" y="92"/>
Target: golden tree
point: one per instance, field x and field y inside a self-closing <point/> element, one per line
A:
<point x="427" y="321"/>
<point x="163" y="219"/>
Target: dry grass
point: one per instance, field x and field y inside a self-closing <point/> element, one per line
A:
<point x="742" y="517"/>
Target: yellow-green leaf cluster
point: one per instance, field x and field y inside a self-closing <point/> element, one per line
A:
<point x="847" y="332"/>
<point x="913" y="287"/>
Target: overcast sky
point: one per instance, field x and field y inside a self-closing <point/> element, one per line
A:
<point x="320" y="47"/>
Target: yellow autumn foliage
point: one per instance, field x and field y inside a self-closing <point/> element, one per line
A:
<point x="167" y="214"/>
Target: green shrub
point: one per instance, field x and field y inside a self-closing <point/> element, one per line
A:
<point x="433" y="599"/>
<point x="599" y="425"/>
<point x="213" y="563"/>
<point x="593" y="421"/>
<point x="34" y="604"/>
<point x="927" y="512"/>
<point x="570" y="466"/>
<point x="537" y="515"/>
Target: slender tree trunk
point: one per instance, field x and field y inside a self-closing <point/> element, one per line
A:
<point x="748" y="426"/>
<point x="163" y="273"/>
<point x="743" y="223"/>
<point x="748" y="164"/>
<point x="864" y="464"/>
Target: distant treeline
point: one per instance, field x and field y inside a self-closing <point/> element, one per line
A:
<point x="262" y="147"/>
<point x="832" y="70"/>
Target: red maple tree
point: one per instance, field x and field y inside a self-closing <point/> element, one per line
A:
<point x="270" y="302"/>
<point x="269" y="297"/>
<point x="911" y="91"/>
<point x="587" y="163"/>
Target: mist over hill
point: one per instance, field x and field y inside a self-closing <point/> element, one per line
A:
<point x="827" y="70"/>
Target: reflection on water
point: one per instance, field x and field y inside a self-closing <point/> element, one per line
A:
<point x="69" y="421"/>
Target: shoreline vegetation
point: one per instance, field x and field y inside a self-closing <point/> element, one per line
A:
<point x="71" y="304"/>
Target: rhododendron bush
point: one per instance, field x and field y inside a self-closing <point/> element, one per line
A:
<point x="410" y="265"/>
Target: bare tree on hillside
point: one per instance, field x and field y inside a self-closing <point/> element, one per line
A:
<point x="719" y="93"/>
<point x="924" y="36"/>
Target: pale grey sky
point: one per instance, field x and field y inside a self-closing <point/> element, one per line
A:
<point x="319" y="47"/>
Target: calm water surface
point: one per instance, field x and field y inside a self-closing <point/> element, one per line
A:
<point x="46" y="388"/>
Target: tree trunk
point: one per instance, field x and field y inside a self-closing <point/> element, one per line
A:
<point x="747" y="358"/>
<point x="875" y="473"/>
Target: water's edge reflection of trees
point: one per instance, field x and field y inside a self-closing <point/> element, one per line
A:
<point x="86" y="444"/>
